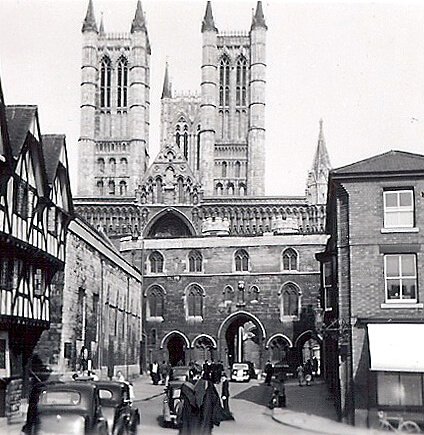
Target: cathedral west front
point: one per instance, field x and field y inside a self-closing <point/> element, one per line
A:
<point x="228" y="273"/>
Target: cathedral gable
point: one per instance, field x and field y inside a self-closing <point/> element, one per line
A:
<point x="169" y="180"/>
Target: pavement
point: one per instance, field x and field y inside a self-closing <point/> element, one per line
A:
<point x="309" y="408"/>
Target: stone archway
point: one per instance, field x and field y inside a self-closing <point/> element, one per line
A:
<point x="241" y="338"/>
<point x="308" y="346"/>
<point x="203" y="348"/>
<point x="176" y="345"/>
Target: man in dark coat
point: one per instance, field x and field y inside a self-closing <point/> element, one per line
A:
<point x="225" y="396"/>
<point x="189" y="416"/>
<point x="268" y="372"/>
<point x="211" y="412"/>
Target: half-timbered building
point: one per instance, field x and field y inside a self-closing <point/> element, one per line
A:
<point x="35" y="209"/>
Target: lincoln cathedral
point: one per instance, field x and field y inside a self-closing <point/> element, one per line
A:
<point x="228" y="273"/>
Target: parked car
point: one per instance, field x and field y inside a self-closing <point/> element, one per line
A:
<point x="240" y="372"/>
<point x="115" y="399"/>
<point x="66" y="408"/>
<point x="171" y="401"/>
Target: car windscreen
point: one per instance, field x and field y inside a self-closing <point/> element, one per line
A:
<point x="65" y="398"/>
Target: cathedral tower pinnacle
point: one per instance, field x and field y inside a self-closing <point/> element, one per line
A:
<point x="166" y="91"/>
<point x="115" y="105"/>
<point x="316" y="186"/>
<point x="89" y="21"/>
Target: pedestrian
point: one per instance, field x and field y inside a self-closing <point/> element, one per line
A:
<point x="85" y="362"/>
<point x="189" y="415"/>
<point x="268" y="372"/>
<point x="315" y="365"/>
<point x="154" y="372"/>
<point x="300" y="377"/>
<point x="163" y="371"/>
<point x="225" y="396"/>
<point x="280" y="390"/>
<point x="211" y="411"/>
<point x="307" y="370"/>
<point x="120" y="376"/>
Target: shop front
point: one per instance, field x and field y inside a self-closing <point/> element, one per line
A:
<point x="396" y="371"/>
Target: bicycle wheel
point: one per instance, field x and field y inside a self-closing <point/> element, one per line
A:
<point x="385" y="425"/>
<point x="409" y="427"/>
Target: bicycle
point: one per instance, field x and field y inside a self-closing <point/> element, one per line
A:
<point x="406" y="426"/>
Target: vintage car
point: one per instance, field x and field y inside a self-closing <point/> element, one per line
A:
<point x="66" y="408"/>
<point x="171" y="400"/>
<point x="115" y="399"/>
<point x="240" y="372"/>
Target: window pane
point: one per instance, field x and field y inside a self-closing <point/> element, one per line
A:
<point x="391" y="199"/>
<point x="411" y="388"/>
<point x="405" y="199"/>
<point x="405" y="218"/>
<point x="408" y="265"/>
<point x="388" y="389"/>
<point x="392" y="265"/>
<point x="391" y="219"/>
<point x="408" y="289"/>
<point x="393" y="288"/>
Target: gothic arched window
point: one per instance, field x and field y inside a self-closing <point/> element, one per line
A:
<point x="224" y="169"/>
<point x="241" y="82"/>
<point x="219" y="189"/>
<point x="111" y="187"/>
<point x="254" y="294"/>
<point x="228" y="294"/>
<point x="156" y="262"/>
<point x="158" y="190"/>
<point x="185" y="136"/>
<point x="122" y="82"/>
<point x="112" y="165"/>
<point x="194" y="301"/>
<point x="124" y="165"/>
<point x="195" y="261"/>
<point x="290" y="259"/>
<point x="290" y="297"/>
<point x="237" y="170"/>
<point x="100" y="186"/>
<point x="198" y="148"/>
<point x="101" y="164"/>
<point x="155" y="302"/>
<point x="122" y="188"/>
<point x="105" y="81"/>
<point x="178" y="135"/>
<point x="241" y="260"/>
<point x="224" y="82"/>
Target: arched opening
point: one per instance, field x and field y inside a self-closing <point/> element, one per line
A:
<point x="279" y="350"/>
<point x="176" y="347"/>
<point x="241" y="338"/>
<point x="169" y="224"/>
<point x="203" y="349"/>
<point x="308" y="346"/>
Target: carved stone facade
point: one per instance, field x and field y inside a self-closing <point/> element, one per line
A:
<point x="228" y="272"/>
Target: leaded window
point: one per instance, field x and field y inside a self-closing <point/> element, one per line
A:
<point x="156" y="262"/>
<point x="241" y="258"/>
<point x="290" y="300"/>
<point x="241" y="82"/>
<point x="194" y="297"/>
<point x="195" y="261"/>
<point x="290" y="259"/>
<point x="105" y="82"/>
<point x="155" y="302"/>
<point x="122" y="82"/>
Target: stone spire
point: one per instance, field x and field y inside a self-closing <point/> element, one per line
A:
<point x="208" y="22"/>
<point x="316" y="186"/>
<point x="321" y="159"/>
<point x="101" y="27"/>
<point x="167" y="90"/>
<point x="138" y="23"/>
<point x="90" y="20"/>
<point x="258" y="19"/>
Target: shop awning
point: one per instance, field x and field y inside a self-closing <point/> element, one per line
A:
<point x="396" y="347"/>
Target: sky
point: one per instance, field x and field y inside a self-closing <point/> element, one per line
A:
<point x="358" y="66"/>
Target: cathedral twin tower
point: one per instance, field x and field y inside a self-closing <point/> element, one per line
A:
<point x="219" y="135"/>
